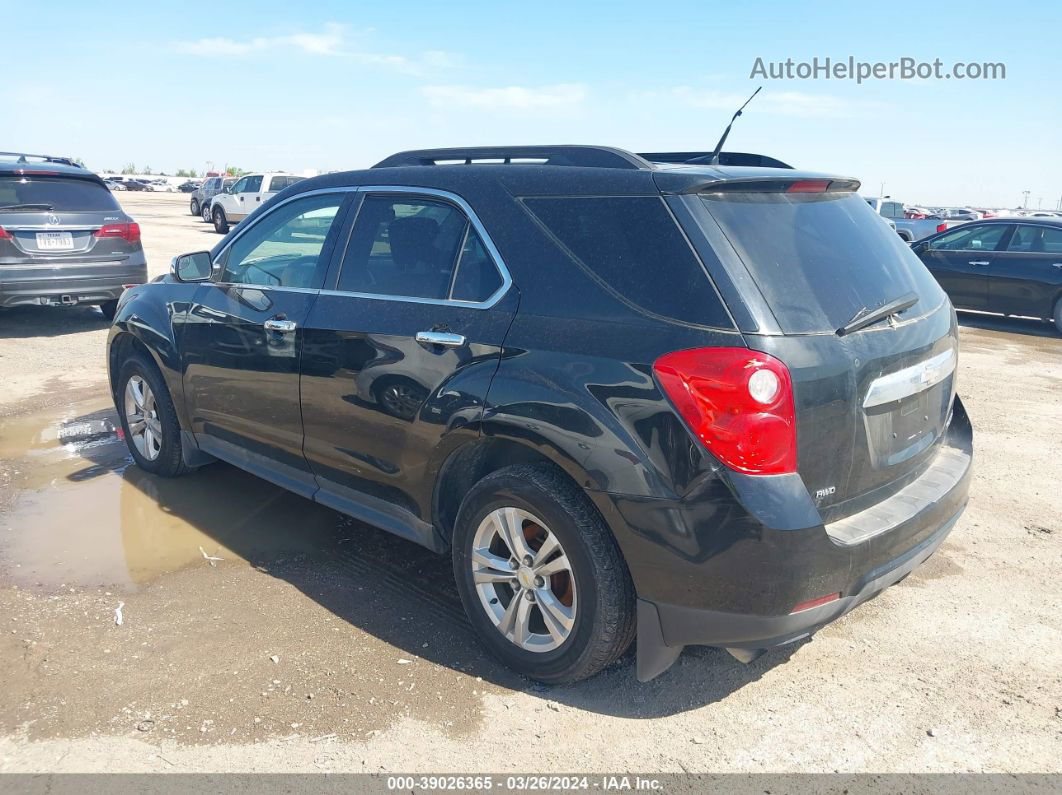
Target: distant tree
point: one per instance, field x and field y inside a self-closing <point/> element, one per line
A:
<point x="233" y="171"/>
<point x="186" y="172"/>
<point x="79" y="161"/>
<point x="147" y="170"/>
<point x="130" y="168"/>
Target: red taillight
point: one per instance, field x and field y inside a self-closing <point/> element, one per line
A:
<point x="4" y="234"/>
<point x="810" y="603"/>
<point x="809" y="186"/>
<point x="942" y="227"/>
<point x="128" y="232"/>
<point x="746" y="420"/>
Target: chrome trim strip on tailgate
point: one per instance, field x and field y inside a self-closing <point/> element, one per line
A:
<point x="910" y="380"/>
<point x="946" y="470"/>
<point x="60" y="265"/>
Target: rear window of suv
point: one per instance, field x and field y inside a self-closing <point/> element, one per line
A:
<point x="818" y="258"/>
<point x="57" y="193"/>
<point x="634" y="247"/>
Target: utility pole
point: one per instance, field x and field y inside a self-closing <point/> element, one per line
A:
<point x="1025" y="204"/>
<point x="1040" y="203"/>
<point x="882" y="194"/>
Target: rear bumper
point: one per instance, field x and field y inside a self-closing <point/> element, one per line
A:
<point x="728" y="564"/>
<point x="664" y="630"/>
<point x="69" y="282"/>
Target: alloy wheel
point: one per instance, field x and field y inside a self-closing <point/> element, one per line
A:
<point x="524" y="579"/>
<point x="141" y="416"/>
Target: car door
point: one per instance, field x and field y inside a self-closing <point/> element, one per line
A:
<point x="243" y="336"/>
<point x="960" y="261"/>
<point x="1026" y="278"/>
<point x="399" y="353"/>
<point x="245" y="197"/>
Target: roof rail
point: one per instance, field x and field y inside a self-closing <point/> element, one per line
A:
<point x="725" y="159"/>
<point x="586" y="156"/>
<point x="24" y="157"/>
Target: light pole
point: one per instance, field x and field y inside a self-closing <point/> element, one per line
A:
<point x="1025" y="203"/>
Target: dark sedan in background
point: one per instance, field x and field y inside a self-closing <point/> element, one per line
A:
<point x="1008" y="266"/>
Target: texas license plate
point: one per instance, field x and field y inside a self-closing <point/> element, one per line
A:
<point x="55" y="241"/>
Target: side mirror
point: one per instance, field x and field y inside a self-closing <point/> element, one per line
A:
<point x="191" y="267"/>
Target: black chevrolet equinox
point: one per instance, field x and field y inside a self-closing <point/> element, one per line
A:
<point x="642" y="397"/>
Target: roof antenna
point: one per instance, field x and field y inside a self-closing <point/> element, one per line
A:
<point x="714" y="159"/>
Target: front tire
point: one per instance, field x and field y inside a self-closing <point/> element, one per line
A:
<point x="221" y="223"/>
<point x="540" y="575"/>
<point x="149" y="420"/>
<point x="194" y="207"/>
<point x="1058" y="316"/>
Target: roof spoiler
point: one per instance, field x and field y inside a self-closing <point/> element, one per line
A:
<point x="725" y="159"/>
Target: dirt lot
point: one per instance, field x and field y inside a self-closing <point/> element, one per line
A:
<point x="261" y="632"/>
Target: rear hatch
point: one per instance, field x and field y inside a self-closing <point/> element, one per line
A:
<point x="57" y="217"/>
<point x="872" y="403"/>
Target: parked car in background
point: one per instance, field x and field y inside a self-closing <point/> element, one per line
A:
<point x="961" y="214"/>
<point x="63" y="238"/>
<point x="210" y="187"/>
<point x="587" y="381"/>
<point x="114" y="185"/>
<point x="160" y="186"/>
<point x="908" y="229"/>
<point x="191" y="186"/>
<point x="1004" y="265"/>
<point x="128" y="182"/>
<point x="916" y="213"/>
<point x="245" y="196"/>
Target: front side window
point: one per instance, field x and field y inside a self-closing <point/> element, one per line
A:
<point x="978" y="237"/>
<point x="283" y="249"/>
<point x="410" y="247"/>
<point x="252" y="184"/>
<point x="240" y="186"/>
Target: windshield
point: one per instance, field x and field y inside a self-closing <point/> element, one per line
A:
<point x="819" y="258"/>
<point x="55" y="194"/>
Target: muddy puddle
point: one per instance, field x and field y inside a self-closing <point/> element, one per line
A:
<point x="79" y="513"/>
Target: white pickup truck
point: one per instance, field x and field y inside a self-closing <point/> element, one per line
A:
<point x="908" y="229"/>
<point x="245" y="196"/>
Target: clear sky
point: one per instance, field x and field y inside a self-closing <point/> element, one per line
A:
<point x="335" y="85"/>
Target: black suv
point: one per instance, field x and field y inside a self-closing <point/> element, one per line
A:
<point x="63" y="238"/>
<point x="691" y="403"/>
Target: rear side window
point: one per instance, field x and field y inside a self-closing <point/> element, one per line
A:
<point x="818" y="258"/>
<point x="403" y="246"/>
<point x="277" y="184"/>
<point x="633" y="246"/>
<point x="56" y="194"/>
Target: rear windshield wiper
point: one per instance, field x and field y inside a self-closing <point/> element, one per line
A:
<point x="866" y="317"/>
<point x="42" y="207"/>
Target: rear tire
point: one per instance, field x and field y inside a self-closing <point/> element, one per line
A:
<point x="109" y="308"/>
<point x="154" y="419"/>
<point x="1058" y="316"/>
<point x="594" y="596"/>
<point x="221" y="223"/>
<point x="195" y="207"/>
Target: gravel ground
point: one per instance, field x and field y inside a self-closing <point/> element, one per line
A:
<point x="261" y="632"/>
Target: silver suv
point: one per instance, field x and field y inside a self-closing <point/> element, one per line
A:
<point x="63" y="238"/>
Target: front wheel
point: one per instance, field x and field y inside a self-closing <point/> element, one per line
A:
<point x="221" y="223"/>
<point x="148" y="418"/>
<point x="540" y="575"/>
<point x="194" y="207"/>
<point x="1058" y="316"/>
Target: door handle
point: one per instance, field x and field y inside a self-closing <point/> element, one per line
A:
<point x="280" y="326"/>
<point x="978" y="262"/>
<point x="441" y="338"/>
